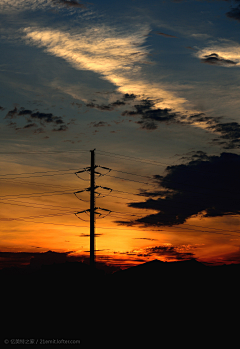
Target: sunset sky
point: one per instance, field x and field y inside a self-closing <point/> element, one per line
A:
<point x="154" y="87"/>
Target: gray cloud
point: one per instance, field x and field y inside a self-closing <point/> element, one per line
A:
<point x="30" y="125"/>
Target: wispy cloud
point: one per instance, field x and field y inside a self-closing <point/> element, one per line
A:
<point x="23" y="5"/>
<point x="33" y="5"/>
<point x="118" y="57"/>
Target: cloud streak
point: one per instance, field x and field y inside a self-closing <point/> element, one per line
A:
<point x="34" y="5"/>
<point x="118" y="57"/>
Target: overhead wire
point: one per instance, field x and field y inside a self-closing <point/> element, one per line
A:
<point x="45" y="152"/>
<point x="46" y="207"/>
<point x="38" y="216"/>
<point x="137" y="159"/>
<point x="47" y="193"/>
<point x="116" y="228"/>
<point x="182" y="183"/>
<point x="37" y="194"/>
<point x="32" y="173"/>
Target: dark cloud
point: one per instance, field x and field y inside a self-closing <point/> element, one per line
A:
<point x="106" y="107"/>
<point x="215" y="59"/>
<point x="111" y="106"/>
<point x="201" y="117"/>
<point x="150" y="116"/>
<point x="128" y="97"/>
<point x="195" y="155"/>
<point x="169" y="252"/>
<point x="79" y="105"/>
<point x="145" y="239"/>
<point x="12" y="124"/>
<point x="207" y="187"/>
<point x="230" y="133"/>
<point x="11" y="114"/>
<point x="166" y="35"/>
<point x="46" y="117"/>
<point x="234" y="13"/>
<point x="69" y="3"/>
<point x="39" y="130"/>
<point x="30" y="125"/>
<point x="99" y="124"/>
<point x="61" y="128"/>
<point x="24" y="112"/>
<point x="43" y="118"/>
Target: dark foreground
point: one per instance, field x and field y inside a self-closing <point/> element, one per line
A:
<point x="155" y="304"/>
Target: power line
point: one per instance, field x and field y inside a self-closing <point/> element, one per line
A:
<point x="44" y="152"/>
<point x="131" y="180"/>
<point x="46" y="207"/>
<point x="34" y="183"/>
<point x="44" y="175"/>
<point x="171" y="181"/>
<point x="26" y="219"/>
<point x="38" y="194"/>
<point x="39" y="216"/>
<point x="132" y="158"/>
<point x="133" y="174"/>
<point x="30" y="173"/>
<point x="153" y="162"/>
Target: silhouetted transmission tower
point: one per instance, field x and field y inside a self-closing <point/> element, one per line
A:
<point x="92" y="209"/>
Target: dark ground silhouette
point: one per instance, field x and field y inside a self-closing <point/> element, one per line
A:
<point x="153" y="304"/>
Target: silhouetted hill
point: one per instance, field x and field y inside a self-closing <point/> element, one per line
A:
<point x="128" y="307"/>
